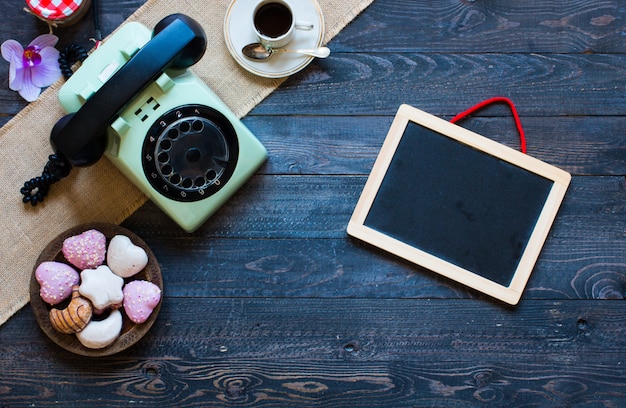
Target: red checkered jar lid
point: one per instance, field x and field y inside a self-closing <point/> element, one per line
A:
<point x="55" y="9"/>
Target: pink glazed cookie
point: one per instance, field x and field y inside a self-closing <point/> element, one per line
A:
<point x="140" y="299"/>
<point x="85" y="251"/>
<point x="56" y="280"/>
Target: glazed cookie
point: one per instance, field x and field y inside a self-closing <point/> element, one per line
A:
<point x="102" y="287"/>
<point x="101" y="333"/>
<point x="85" y="251"/>
<point x="140" y="299"/>
<point x="56" y="280"/>
<point x="125" y="258"/>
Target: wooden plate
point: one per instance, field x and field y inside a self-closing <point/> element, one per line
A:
<point x="131" y="332"/>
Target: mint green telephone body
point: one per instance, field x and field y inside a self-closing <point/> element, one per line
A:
<point x="175" y="140"/>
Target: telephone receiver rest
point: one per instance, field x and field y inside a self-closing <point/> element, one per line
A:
<point x="178" y="42"/>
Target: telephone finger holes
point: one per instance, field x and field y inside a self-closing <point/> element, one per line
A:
<point x="196" y="149"/>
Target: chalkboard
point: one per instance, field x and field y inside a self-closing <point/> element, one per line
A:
<point x="459" y="204"/>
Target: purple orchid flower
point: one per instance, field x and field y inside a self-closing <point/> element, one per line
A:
<point x="32" y="68"/>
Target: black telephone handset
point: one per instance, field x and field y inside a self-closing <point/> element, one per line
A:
<point x="78" y="139"/>
<point x="178" y="42"/>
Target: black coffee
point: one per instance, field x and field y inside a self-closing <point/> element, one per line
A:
<point x="273" y="19"/>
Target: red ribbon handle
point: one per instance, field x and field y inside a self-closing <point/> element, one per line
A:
<point x="497" y="99"/>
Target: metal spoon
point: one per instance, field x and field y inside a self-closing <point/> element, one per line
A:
<point x="258" y="51"/>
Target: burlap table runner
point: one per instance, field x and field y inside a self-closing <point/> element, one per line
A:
<point x="100" y="193"/>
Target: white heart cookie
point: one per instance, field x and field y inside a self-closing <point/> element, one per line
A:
<point x="125" y="258"/>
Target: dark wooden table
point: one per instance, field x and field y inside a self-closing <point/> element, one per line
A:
<point x="272" y="304"/>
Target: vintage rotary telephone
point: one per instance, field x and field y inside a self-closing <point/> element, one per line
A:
<point x="135" y="101"/>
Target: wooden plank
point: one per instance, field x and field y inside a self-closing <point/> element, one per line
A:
<point x="452" y="26"/>
<point x="430" y="26"/>
<point x="398" y="352"/>
<point x="446" y="84"/>
<point x="320" y="207"/>
<point x="344" y="268"/>
<point x="330" y="145"/>
<point x="219" y="382"/>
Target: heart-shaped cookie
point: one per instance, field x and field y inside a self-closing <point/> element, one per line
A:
<point x="56" y="280"/>
<point x="85" y="251"/>
<point x="125" y="258"/>
<point x="140" y="299"/>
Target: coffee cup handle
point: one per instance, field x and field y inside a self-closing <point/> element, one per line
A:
<point x="303" y="25"/>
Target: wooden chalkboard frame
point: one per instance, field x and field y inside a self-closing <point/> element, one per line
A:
<point x="539" y="227"/>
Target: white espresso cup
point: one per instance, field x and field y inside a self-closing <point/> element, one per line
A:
<point x="275" y="23"/>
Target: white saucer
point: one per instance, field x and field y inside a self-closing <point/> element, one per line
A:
<point x="238" y="32"/>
